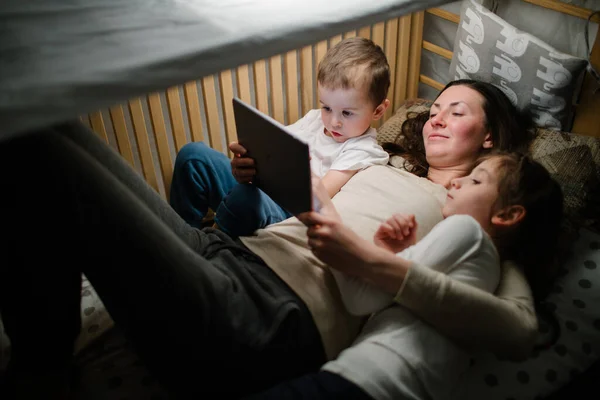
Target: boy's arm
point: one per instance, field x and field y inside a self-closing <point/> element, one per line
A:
<point x="334" y="180"/>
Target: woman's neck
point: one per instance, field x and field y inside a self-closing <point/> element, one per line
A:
<point x="443" y="176"/>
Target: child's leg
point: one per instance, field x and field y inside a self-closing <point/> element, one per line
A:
<point x="247" y="208"/>
<point x="201" y="178"/>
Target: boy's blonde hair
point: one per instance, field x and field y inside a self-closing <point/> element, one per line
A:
<point x="354" y="63"/>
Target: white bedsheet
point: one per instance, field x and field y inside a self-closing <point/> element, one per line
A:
<point x="63" y="58"/>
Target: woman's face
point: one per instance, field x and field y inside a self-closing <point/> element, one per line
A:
<point x="455" y="133"/>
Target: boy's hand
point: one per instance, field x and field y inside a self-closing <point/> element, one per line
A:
<point x="397" y="233"/>
<point x="242" y="166"/>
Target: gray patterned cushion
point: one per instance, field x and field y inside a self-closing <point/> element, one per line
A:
<point x="533" y="74"/>
<point x="574" y="161"/>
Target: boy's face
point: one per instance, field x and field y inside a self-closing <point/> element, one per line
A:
<point x="476" y="194"/>
<point x="347" y="113"/>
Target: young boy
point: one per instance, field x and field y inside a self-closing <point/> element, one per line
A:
<point x="353" y="81"/>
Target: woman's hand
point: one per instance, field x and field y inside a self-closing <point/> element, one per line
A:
<point x="337" y="245"/>
<point x="397" y="233"/>
<point x="242" y="166"/>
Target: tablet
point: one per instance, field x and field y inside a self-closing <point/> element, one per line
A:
<point x="282" y="160"/>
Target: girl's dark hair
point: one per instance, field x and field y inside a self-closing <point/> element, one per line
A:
<point x="512" y="130"/>
<point x="532" y="243"/>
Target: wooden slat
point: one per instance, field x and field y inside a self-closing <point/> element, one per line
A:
<point x="587" y="113"/>
<point x="414" y="65"/>
<point x="120" y="128"/>
<point x="276" y="80"/>
<point x="320" y="50"/>
<point x="431" y="82"/>
<point x="402" y="60"/>
<point x="306" y="79"/>
<point x="440" y="51"/>
<point x="365" y="32"/>
<point x="260" y="86"/>
<point x="226" y="84"/>
<point x="85" y="120"/>
<point x="243" y="84"/>
<point x="566" y="8"/>
<point x="143" y="142"/>
<point x="291" y="84"/>
<point x="335" y="40"/>
<point x="160" y="135"/>
<point x="97" y="123"/>
<point x="190" y="91"/>
<point x="176" y="117"/>
<point x="212" y="112"/>
<point x="379" y="34"/>
<point x="379" y="39"/>
<point x="350" y="34"/>
<point x="391" y="48"/>
<point x="447" y="15"/>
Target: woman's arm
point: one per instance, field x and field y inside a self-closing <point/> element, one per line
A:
<point x="504" y="323"/>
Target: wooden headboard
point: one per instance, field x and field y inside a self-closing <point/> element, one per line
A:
<point x="148" y="131"/>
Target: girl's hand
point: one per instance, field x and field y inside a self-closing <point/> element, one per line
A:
<point x="242" y="166"/>
<point x="397" y="233"/>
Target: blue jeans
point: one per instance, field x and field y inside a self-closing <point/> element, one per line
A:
<point x="202" y="178"/>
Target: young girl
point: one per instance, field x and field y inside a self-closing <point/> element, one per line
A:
<point x="507" y="208"/>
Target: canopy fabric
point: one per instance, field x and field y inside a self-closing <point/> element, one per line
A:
<point x="63" y="58"/>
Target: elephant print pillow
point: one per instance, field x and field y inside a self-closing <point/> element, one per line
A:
<point x="533" y="74"/>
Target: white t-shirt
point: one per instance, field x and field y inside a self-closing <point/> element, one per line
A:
<point x="458" y="243"/>
<point x="397" y="356"/>
<point x="355" y="153"/>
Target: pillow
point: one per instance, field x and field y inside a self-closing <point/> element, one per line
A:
<point x="533" y="74"/>
<point x="390" y="130"/>
<point x="574" y="162"/>
<point x="574" y="299"/>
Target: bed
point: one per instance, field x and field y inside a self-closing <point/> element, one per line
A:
<point x="147" y="84"/>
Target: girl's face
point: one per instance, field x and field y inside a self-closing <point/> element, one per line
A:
<point x="455" y="133"/>
<point x="347" y="113"/>
<point x="476" y="194"/>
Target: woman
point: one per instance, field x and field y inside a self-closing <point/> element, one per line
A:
<point x="197" y="305"/>
<point x="489" y="215"/>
